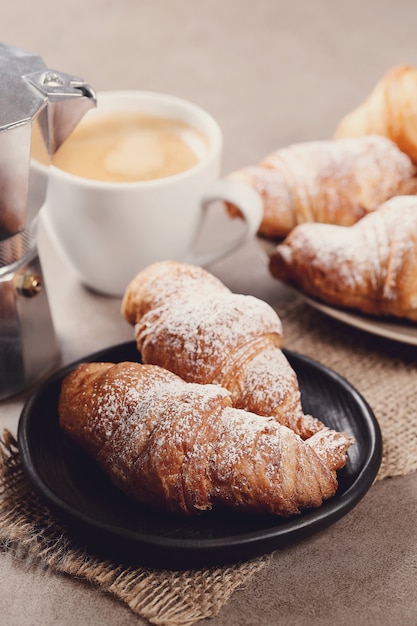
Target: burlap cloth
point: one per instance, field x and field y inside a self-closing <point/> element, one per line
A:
<point x="383" y="371"/>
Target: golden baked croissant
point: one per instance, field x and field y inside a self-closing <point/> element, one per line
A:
<point x="370" y="266"/>
<point x="389" y="110"/>
<point x="335" y="182"/>
<point x="190" y="323"/>
<point x="181" y="447"/>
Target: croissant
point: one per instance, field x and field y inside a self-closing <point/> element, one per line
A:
<point x="181" y="447"/>
<point x="187" y="321"/>
<point x="370" y="266"/>
<point x="389" y="110"/>
<point x="335" y="182"/>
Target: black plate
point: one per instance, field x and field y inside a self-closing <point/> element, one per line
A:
<point x="102" y="518"/>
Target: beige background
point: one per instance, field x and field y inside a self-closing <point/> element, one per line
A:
<point x="272" y="73"/>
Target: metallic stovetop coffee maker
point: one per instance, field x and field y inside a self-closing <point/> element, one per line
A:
<point x="32" y="98"/>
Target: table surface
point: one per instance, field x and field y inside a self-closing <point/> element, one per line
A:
<point x="272" y="73"/>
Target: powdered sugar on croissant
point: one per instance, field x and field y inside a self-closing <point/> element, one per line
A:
<point x="371" y="266"/>
<point x="329" y="181"/>
<point x="181" y="447"/>
<point x="190" y="323"/>
<point x="389" y="110"/>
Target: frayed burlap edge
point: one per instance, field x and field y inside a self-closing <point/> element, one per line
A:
<point x="382" y="370"/>
<point x="165" y="598"/>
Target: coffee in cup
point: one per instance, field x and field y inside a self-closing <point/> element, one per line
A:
<point x="131" y="186"/>
<point x="129" y="146"/>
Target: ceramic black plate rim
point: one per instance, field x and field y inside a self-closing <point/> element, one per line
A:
<point x="307" y="523"/>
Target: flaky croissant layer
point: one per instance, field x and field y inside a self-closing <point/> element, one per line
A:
<point x="371" y="266"/>
<point x="389" y="110"/>
<point x="181" y="447"/>
<point x="187" y="321"/>
<point x="329" y="181"/>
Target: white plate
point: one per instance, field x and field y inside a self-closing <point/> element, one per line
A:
<point x="405" y="332"/>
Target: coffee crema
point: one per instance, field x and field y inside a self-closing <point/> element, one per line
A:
<point x="129" y="146"/>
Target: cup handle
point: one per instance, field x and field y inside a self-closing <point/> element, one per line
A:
<point x="250" y="205"/>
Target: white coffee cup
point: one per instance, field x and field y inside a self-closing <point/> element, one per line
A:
<point x="109" y="231"/>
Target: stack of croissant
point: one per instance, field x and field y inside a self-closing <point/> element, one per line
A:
<point x="212" y="417"/>
<point x="342" y="213"/>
